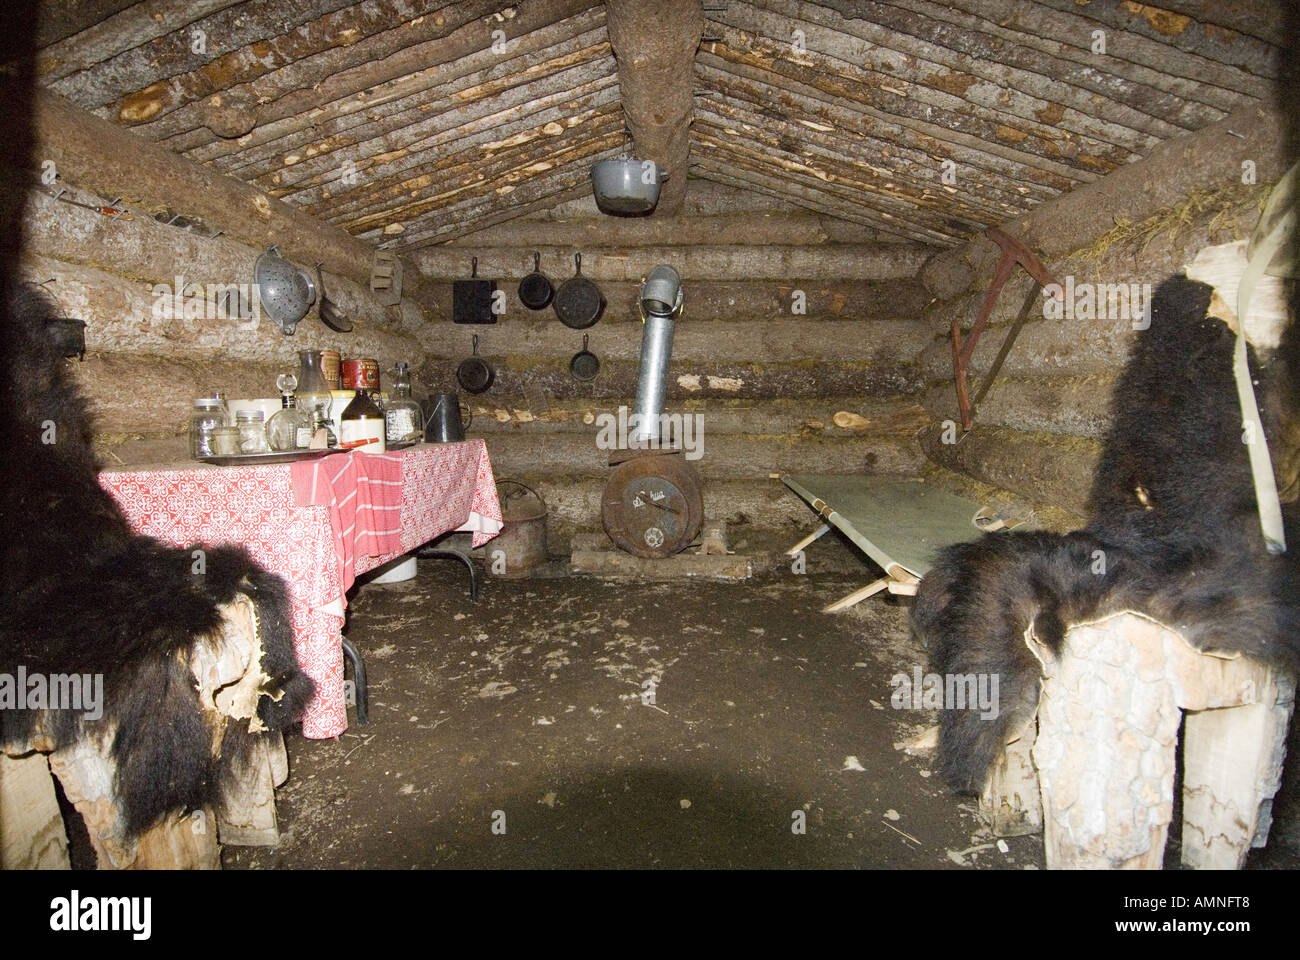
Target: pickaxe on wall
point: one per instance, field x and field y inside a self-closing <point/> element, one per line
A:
<point x="1013" y="252"/>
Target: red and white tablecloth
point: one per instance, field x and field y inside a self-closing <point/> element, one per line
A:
<point x="444" y="487"/>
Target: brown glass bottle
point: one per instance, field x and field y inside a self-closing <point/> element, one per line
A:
<point x="362" y="420"/>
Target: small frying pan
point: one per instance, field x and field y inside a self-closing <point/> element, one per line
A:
<point x="585" y="365"/>
<point x="578" y="302"/>
<point x="474" y="373"/>
<point x="535" y="290"/>
<point x="330" y="315"/>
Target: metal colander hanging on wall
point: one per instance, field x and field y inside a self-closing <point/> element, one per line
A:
<point x="285" y="292"/>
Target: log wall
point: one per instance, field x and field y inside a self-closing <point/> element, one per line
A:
<point x="766" y="382"/>
<point x="1038" y="433"/>
<point x="144" y="364"/>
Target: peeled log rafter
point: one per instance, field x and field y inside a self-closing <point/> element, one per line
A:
<point x="655" y="46"/>
<point x="839" y="262"/>
<point x="722" y="171"/>
<point x="508" y="176"/>
<point x="532" y="110"/>
<point x="104" y="158"/>
<point x="849" y="150"/>
<point x="485" y="208"/>
<point x="916" y="143"/>
<point x="426" y="82"/>
<point x="444" y="227"/>
<point x="471" y="167"/>
<point x="1208" y="159"/>
<point x="1032" y="144"/>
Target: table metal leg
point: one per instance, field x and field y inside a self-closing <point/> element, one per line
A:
<point x="443" y="553"/>
<point x="358" y="678"/>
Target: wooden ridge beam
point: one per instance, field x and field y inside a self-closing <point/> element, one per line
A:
<point x="655" y="46"/>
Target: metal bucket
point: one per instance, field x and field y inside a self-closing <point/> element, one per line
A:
<point x="521" y="544"/>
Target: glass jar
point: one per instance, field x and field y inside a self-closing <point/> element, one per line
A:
<point x="225" y="441"/>
<point x="209" y="413"/>
<point x="252" y="432"/>
<point x="403" y="419"/>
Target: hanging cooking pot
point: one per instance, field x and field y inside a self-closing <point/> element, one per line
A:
<point x="627" y="185"/>
<point x="474" y="373"/>
<point x="578" y="302"/>
<point x="535" y="290"/>
<point x="585" y="365"/>
<point x="471" y="300"/>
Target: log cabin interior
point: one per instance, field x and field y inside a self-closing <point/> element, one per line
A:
<point x="738" y="433"/>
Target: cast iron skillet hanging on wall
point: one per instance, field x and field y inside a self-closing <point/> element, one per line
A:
<point x="474" y="373"/>
<point x="578" y="302"/>
<point x="535" y="290"/>
<point x="585" y="365"/>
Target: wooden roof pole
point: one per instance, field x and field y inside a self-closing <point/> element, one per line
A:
<point x="103" y="157"/>
<point x="655" y="44"/>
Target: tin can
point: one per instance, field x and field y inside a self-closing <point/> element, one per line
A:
<point x="330" y="366"/>
<point x="361" y="374"/>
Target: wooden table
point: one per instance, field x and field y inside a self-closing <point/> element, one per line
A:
<point x="445" y="487"/>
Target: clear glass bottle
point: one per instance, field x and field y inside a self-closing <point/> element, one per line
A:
<point x="252" y="431"/>
<point x="209" y="413"/>
<point x="291" y="427"/>
<point x="403" y="420"/>
<point x="313" y="391"/>
<point x="363" y="420"/>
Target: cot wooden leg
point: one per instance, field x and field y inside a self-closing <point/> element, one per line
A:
<point x="857" y="596"/>
<point x="31" y="827"/>
<point x="1232" y="767"/>
<point x="821" y="531"/>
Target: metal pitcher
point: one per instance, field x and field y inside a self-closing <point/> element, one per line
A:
<point x="442" y="421"/>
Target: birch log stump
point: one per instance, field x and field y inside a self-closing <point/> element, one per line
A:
<point x="1010" y="803"/>
<point x="227" y="671"/>
<point x="1108" y="721"/>
<point x="31" y="826"/>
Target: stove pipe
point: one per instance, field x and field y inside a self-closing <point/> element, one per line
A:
<point x="661" y="305"/>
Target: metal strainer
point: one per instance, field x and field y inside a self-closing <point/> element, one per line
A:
<point x="284" y="291"/>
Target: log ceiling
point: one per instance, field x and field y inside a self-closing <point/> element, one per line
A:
<point x="406" y="122"/>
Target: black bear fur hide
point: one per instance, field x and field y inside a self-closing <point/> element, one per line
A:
<point x="80" y="593"/>
<point x="1172" y="510"/>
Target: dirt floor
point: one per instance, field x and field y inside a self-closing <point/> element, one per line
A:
<point x="519" y="732"/>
